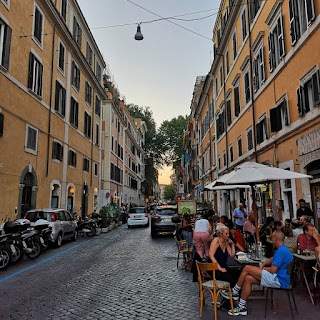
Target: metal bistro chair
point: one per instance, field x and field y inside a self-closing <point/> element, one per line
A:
<point x="186" y="253"/>
<point x="287" y="290"/>
<point x="214" y="287"/>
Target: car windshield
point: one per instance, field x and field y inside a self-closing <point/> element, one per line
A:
<point x="166" y="212"/>
<point x="137" y="210"/>
<point x="34" y="216"/>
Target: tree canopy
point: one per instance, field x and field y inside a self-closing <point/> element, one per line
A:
<point x="169" y="192"/>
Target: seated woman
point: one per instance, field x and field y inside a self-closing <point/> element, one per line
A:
<point x="220" y="248"/>
<point x="290" y="240"/>
<point x="187" y="229"/>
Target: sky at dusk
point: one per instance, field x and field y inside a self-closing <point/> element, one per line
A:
<point x="159" y="71"/>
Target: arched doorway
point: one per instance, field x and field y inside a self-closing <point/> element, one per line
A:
<point x="28" y="188"/>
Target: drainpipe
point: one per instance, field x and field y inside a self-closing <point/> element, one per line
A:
<point x="50" y="104"/>
<point x="225" y="110"/>
<point x="251" y="88"/>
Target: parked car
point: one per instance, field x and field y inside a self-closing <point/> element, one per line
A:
<point x="161" y="219"/>
<point x="138" y="216"/>
<point x="63" y="225"/>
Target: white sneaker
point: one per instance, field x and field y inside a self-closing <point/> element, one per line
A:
<point x="225" y="294"/>
<point x="238" y="311"/>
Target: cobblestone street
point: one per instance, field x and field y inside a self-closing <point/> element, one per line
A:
<point x="124" y="274"/>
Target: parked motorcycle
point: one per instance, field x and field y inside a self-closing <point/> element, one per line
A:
<point x="25" y="239"/>
<point x="4" y="252"/>
<point x="87" y="227"/>
<point x="44" y="232"/>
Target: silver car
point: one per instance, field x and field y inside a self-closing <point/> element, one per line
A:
<point x="62" y="222"/>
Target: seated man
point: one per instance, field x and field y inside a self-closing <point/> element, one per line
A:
<point x="275" y="276"/>
<point x="309" y="239"/>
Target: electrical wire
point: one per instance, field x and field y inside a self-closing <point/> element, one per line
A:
<point x="176" y="17"/>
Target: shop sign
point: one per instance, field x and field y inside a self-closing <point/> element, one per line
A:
<point x="309" y="143"/>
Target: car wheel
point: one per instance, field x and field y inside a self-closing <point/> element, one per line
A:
<point x="147" y="225"/>
<point x="59" y="240"/>
<point x="74" y="237"/>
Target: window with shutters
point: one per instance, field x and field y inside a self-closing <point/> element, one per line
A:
<point x="86" y="164"/>
<point x="216" y="87"/>
<point x="254" y="8"/>
<point x="308" y="94"/>
<point x="89" y="54"/>
<point x="31" y="145"/>
<point x="221" y="76"/>
<point x="234" y="45"/>
<point x="57" y="150"/>
<point x="98" y="106"/>
<point x="75" y="80"/>
<point x="61" y="56"/>
<point x="239" y="142"/>
<point x="88" y="93"/>
<point x="220" y="123"/>
<point x="98" y="72"/>
<point x="96" y="169"/>
<point x="244" y="24"/>
<point x="87" y="125"/>
<point x="5" y="42"/>
<point x="276" y="43"/>
<point x="236" y="95"/>
<point x="219" y="163"/>
<point x="259" y="75"/>
<point x="301" y="15"/>
<point x="249" y="139"/>
<point x="35" y="75"/>
<point x="224" y="158"/>
<point x="279" y="116"/>
<point x="229" y="113"/>
<point x="72" y="158"/>
<point x="60" y="99"/>
<point x="247" y="86"/>
<point x="77" y="32"/>
<point x="261" y="130"/>
<point x="231" y="153"/>
<point x="74" y="111"/>
<point x="63" y="9"/>
<point x="38" y="25"/>
<point x="227" y="62"/>
<point x="97" y="134"/>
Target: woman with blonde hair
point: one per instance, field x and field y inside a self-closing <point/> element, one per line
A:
<point x="220" y="249"/>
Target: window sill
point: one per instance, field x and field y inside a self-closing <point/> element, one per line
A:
<point x="28" y="150"/>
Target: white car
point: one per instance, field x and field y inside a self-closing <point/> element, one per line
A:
<point x="138" y="216"/>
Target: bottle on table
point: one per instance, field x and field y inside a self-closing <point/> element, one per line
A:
<point x="298" y="248"/>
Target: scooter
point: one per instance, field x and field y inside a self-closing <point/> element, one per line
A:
<point x="26" y="240"/>
<point x="44" y="232"/>
<point x="87" y="227"/>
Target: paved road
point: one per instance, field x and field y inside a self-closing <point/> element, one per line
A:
<point x="124" y="274"/>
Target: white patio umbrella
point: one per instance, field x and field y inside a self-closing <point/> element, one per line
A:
<point x="251" y="173"/>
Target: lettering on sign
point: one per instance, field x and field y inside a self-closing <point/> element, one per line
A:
<point x="308" y="143"/>
<point x="310" y="157"/>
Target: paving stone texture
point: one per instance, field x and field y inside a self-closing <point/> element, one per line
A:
<point x="123" y="274"/>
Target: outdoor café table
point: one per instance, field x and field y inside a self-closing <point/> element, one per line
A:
<point x="301" y="260"/>
<point x="253" y="262"/>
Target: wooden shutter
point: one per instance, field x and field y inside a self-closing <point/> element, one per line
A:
<point x="39" y="91"/>
<point x="309" y="11"/>
<point x="30" y="75"/>
<point x="275" y="119"/>
<point x="236" y="101"/>
<point x="316" y="88"/>
<point x="6" y="49"/>
<point x="301" y="108"/>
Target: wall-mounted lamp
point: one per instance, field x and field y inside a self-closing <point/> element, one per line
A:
<point x="71" y="190"/>
<point x="138" y="36"/>
<point x="95" y="191"/>
<point x="52" y="188"/>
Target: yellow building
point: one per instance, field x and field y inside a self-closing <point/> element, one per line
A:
<point x="50" y="108"/>
<point x="260" y="100"/>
